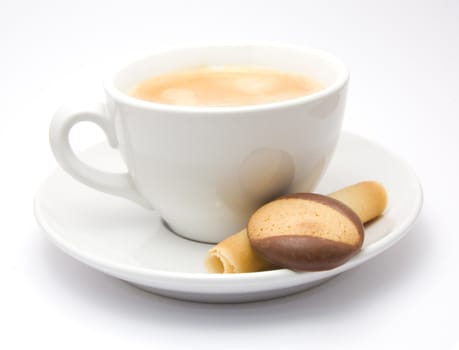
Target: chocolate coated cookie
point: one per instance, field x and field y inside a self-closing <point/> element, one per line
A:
<point x="305" y="231"/>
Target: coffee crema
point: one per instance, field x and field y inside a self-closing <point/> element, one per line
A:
<point x="222" y="86"/>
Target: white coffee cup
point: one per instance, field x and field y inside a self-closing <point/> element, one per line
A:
<point x="207" y="169"/>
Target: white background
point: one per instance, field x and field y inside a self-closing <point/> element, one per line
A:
<point x="404" y="94"/>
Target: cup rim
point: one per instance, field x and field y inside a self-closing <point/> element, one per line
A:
<point x="121" y="97"/>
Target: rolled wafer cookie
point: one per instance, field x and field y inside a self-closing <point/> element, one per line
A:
<point x="367" y="199"/>
<point x="236" y="255"/>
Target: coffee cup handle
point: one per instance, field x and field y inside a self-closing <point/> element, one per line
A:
<point x="119" y="184"/>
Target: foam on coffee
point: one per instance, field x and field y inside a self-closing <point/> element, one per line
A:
<point x="219" y="86"/>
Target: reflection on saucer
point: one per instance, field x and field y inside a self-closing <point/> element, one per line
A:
<point x="266" y="173"/>
<point x="263" y="175"/>
<point x="308" y="183"/>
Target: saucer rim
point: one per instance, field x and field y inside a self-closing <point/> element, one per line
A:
<point x="143" y="274"/>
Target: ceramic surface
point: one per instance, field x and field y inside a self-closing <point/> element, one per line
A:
<point x="126" y="241"/>
<point x="205" y="170"/>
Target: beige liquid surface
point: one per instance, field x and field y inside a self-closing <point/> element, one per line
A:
<point x="220" y="86"/>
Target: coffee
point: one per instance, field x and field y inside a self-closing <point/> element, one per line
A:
<point x="220" y="86"/>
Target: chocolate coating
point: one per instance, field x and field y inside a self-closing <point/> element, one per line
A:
<point x="304" y="253"/>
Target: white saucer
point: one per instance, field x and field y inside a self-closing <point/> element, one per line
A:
<point x="128" y="242"/>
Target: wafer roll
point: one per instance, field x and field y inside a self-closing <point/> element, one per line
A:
<point x="235" y="254"/>
<point x="367" y="199"/>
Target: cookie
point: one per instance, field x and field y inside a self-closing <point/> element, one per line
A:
<point x="305" y="231"/>
<point x="236" y="254"/>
